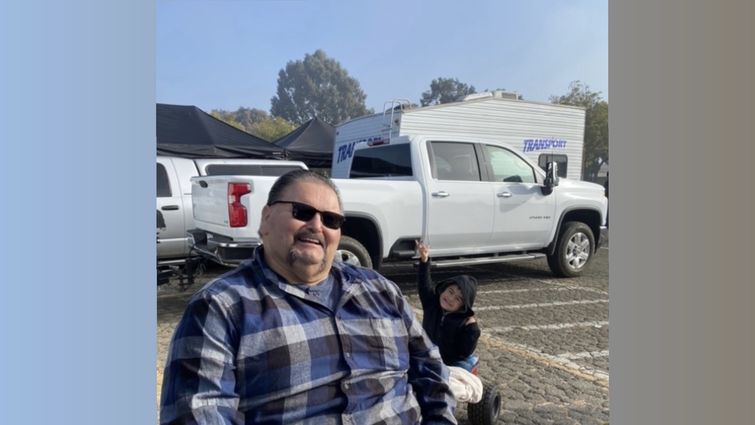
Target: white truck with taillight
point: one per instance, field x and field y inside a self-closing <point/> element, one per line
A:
<point x="472" y="198"/>
<point x="174" y="205"/>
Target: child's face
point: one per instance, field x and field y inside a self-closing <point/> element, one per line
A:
<point x="451" y="299"/>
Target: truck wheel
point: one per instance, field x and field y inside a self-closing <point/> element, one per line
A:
<point x="574" y="250"/>
<point x="350" y="251"/>
<point x="486" y="411"/>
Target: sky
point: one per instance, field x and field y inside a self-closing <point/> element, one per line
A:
<point x="226" y="54"/>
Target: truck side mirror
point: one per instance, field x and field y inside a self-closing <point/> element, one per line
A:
<point x="551" y="177"/>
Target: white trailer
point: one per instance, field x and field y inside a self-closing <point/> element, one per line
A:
<point x="543" y="132"/>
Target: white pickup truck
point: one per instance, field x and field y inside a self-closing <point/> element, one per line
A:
<point x="473" y="200"/>
<point x="174" y="195"/>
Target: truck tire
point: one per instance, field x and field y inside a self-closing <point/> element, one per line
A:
<point x="574" y="249"/>
<point x="350" y="251"/>
<point x="486" y="411"/>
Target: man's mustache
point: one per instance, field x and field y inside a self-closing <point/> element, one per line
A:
<point x="306" y="234"/>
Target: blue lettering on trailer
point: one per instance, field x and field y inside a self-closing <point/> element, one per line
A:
<point x="543" y="144"/>
<point x="345" y="151"/>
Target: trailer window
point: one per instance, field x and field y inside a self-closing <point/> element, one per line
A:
<point x="382" y="161"/>
<point x="163" y="183"/>
<point x="561" y="160"/>
<point x="454" y="161"/>
<point x="508" y="167"/>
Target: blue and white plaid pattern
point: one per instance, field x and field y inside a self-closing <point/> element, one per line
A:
<point x="251" y="349"/>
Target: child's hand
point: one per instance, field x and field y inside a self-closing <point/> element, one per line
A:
<point x="423" y="250"/>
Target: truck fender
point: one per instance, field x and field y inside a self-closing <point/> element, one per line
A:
<point x="366" y="230"/>
<point x="551" y="248"/>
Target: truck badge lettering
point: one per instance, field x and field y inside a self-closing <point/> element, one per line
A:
<point x="543" y="144"/>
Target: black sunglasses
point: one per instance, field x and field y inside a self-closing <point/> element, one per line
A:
<point x="304" y="212"/>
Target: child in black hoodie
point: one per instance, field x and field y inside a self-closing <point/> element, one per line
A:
<point x="448" y="317"/>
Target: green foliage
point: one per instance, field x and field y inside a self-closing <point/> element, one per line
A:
<point x="272" y="128"/>
<point x="445" y="90"/>
<point x="317" y="87"/>
<point x="256" y="122"/>
<point x="228" y="118"/>
<point x="249" y="116"/>
<point x="596" y="125"/>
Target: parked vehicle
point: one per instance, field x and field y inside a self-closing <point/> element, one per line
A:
<point x="174" y="195"/>
<point x="184" y="271"/>
<point x="472" y="197"/>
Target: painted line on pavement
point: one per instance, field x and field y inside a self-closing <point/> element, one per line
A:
<point x="564" y="285"/>
<point x="584" y="355"/>
<point x="596" y="376"/>
<point x="537" y="305"/>
<point x="558" y="326"/>
<point x="514" y="291"/>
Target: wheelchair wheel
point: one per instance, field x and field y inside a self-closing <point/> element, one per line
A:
<point x="486" y="411"/>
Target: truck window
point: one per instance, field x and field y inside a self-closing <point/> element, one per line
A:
<point x="561" y="160"/>
<point x="248" y="170"/>
<point x="382" y="161"/>
<point x="163" y="183"/>
<point x="454" y="161"/>
<point x="507" y="166"/>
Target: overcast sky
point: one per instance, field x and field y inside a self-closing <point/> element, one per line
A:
<point x="224" y="54"/>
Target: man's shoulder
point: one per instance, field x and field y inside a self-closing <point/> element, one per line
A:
<point x="365" y="277"/>
<point x="242" y="282"/>
<point x="357" y="273"/>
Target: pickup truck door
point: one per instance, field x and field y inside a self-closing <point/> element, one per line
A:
<point x="460" y="205"/>
<point x="523" y="216"/>
<point x="173" y="241"/>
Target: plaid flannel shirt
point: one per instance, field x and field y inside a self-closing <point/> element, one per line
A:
<point x="251" y="349"/>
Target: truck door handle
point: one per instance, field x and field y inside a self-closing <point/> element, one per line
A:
<point x="170" y="208"/>
<point x="441" y="194"/>
<point x="504" y="195"/>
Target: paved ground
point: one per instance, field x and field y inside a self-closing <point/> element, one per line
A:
<point x="544" y="342"/>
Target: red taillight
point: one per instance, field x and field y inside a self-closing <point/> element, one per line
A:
<point x="237" y="211"/>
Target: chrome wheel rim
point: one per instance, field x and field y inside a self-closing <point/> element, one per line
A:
<point x="348" y="257"/>
<point x="577" y="251"/>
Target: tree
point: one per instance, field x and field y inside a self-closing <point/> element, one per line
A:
<point x="445" y="90"/>
<point x="596" y="125"/>
<point x="272" y="128"/>
<point x="256" y="122"/>
<point x="228" y="118"/>
<point x="248" y="117"/>
<point x="317" y="87"/>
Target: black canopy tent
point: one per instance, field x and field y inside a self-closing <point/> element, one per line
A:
<point x="311" y="143"/>
<point x="189" y="132"/>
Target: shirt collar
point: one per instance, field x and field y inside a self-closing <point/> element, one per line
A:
<point x="337" y="271"/>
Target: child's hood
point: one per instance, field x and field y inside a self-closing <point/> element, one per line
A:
<point x="467" y="285"/>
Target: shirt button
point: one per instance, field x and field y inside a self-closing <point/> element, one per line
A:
<point x="348" y="354"/>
